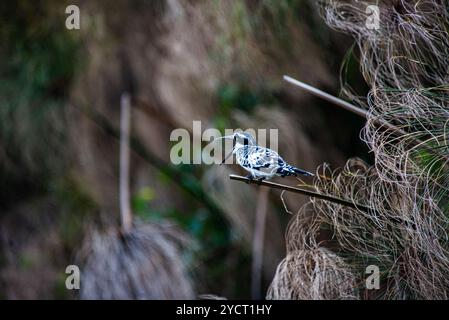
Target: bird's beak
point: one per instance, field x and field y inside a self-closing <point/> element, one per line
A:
<point x="225" y="137"/>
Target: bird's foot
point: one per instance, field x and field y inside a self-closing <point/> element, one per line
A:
<point x="250" y="177"/>
<point x="259" y="181"/>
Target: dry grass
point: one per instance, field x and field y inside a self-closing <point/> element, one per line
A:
<point x="143" y="264"/>
<point x="312" y="274"/>
<point x="405" y="63"/>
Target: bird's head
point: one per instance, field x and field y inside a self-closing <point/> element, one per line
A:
<point x="239" y="139"/>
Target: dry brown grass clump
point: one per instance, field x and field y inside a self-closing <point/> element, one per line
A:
<point x="405" y="63"/>
<point x="145" y="263"/>
<point x="312" y="274"/>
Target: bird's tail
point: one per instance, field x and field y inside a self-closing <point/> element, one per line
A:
<point x="289" y="170"/>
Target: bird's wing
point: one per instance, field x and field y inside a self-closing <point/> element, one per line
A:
<point x="260" y="158"/>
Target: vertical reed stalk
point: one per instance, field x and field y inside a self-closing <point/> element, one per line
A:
<point x="125" y="123"/>
<point x="258" y="243"/>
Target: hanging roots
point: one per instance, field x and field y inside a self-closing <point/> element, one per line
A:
<point x="405" y="234"/>
<point x="146" y="263"/>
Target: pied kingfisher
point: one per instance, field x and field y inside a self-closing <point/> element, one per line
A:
<point x="262" y="163"/>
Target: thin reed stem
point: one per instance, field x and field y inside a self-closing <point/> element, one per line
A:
<point x="328" y="97"/>
<point x="341" y="103"/>
<point x="258" y="243"/>
<point x="302" y="191"/>
<point x="125" y="124"/>
<point x="358" y="111"/>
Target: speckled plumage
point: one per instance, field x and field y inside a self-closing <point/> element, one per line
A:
<point x="261" y="163"/>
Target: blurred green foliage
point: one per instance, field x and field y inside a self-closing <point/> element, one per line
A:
<point x="212" y="245"/>
<point x="239" y="96"/>
<point x="59" y="290"/>
<point x="233" y="96"/>
<point x="265" y="21"/>
<point x="39" y="61"/>
<point x="76" y="205"/>
<point x="274" y="16"/>
<point x="199" y="223"/>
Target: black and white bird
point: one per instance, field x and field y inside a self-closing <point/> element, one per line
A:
<point x="262" y="163"/>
